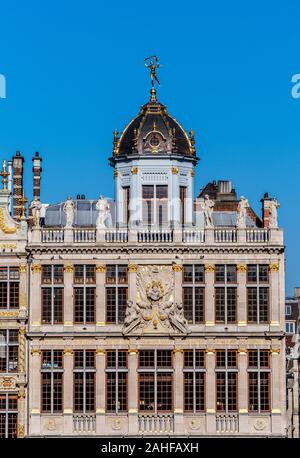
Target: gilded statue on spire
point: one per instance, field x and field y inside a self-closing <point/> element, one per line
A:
<point x="4" y="174"/>
<point x="153" y="64"/>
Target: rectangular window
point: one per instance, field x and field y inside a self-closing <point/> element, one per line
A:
<point x="52" y="295"/>
<point x="116" y="381"/>
<point x="84" y="305"/>
<point x="126" y="191"/>
<point x="8" y="416"/>
<point x="9" y="287"/>
<point x="288" y="310"/>
<point x="9" y="350"/>
<point x="226" y="381"/>
<point x="52" y="381"/>
<point x="259" y="381"/>
<point x="155" y="204"/>
<point x="155" y="381"/>
<point x="84" y="381"/>
<point x="116" y="293"/>
<point x="258" y="304"/>
<point x="225" y="273"/>
<point x="182" y="191"/>
<point x="194" y="381"/>
<point x="290" y="327"/>
<point x="226" y="304"/>
<point x="257" y="273"/>
<point x="193" y="294"/>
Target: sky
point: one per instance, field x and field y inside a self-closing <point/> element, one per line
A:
<point x="74" y="72"/>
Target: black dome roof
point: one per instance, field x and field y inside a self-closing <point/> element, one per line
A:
<point x="154" y="131"/>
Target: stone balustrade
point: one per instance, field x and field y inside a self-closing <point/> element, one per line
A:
<point x="209" y="236"/>
<point x="156" y="423"/>
<point x="84" y="423"/>
<point x="227" y="423"/>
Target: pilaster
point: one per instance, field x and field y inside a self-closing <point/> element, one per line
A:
<point x="209" y="295"/>
<point x="100" y="294"/>
<point x="100" y="390"/>
<point x="68" y="294"/>
<point x="210" y="392"/>
<point x="178" y="391"/>
<point x="68" y="391"/>
<point x="242" y="295"/>
<point x="35" y="285"/>
<point x="133" y="391"/>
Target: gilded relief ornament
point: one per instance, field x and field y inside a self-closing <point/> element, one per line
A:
<point x="155" y="309"/>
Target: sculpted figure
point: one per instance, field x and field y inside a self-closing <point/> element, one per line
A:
<point x="69" y="211"/>
<point x="132" y="318"/>
<point x="242" y="212"/>
<point x="36" y="211"/>
<point x="177" y="319"/>
<point x="273" y="205"/>
<point x="103" y="209"/>
<point x="208" y="206"/>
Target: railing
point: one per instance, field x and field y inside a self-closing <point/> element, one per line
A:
<point x="116" y="235"/>
<point x="156" y="423"/>
<point x="225" y="235"/>
<point x="84" y="235"/>
<point x="193" y="236"/>
<point x="52" y="235"/>
<point x="257" y="235"/>
<point x="226" y="423"/>
<point x="155" y="236"/>
<point x="84" y="423"/>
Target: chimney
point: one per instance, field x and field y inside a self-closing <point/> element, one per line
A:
<point x="18" y="161"/>
<point x="265" y="210"/>
<point x="37" y="175"/>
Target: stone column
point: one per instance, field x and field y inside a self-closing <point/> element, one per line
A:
<point x="177" y="269"/>
<point x="35" y="391"/>
<point x="100" y="390"/>
<point x="243" y="391"/>
<point x="241" y="295"/>
<point x="68" y="294"/>
<point x="210" y="392"/>
<point x="135" y="211"/>
<point x="133" y="391"/>
<point x="209" y="295"/>
<point x="100" y="294"/>
<point x="277" y="384"/>
<point x="23" y="289"/>
<point x="35" y="295"/>
<point x="190" y="201"/>
<point x="274" y="295"/>
<point x="68" y="391"/>
<point x="175" y="202"/>
<point x="178" y="391"/>
<point x="132" y="290"/>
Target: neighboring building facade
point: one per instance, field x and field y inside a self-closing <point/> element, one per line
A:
<point x="156" y="313"/>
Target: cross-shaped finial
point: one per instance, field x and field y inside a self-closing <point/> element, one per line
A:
<point x="4" y="174"/>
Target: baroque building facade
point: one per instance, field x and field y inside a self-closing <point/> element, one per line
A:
<point x="156" y="313"/>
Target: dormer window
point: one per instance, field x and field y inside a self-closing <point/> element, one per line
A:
<point x="155" y="205"/>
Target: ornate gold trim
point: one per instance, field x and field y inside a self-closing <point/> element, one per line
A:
<point x="210" y="411"/>
<point x="100" y="268"/>
<point x="35" y="352"/>
<point x="242" y="351"/>
<point x="35" y="411"/>
<point x="6" y="229"/>
<point x="192" y="173"/>
<point x="132" y="267"/>
<point x="8" y="246"/>
<point x="242" y="268"/>
<point x="9" y="314"/>
<point x="134" y="170"/>
<point x="36" y="323"/>
<point x="68" y="352"/>
<point x="273" y="267"/>
<point x="100" y="352"/>
<point x="99" y="410"/>
<point x="242" y="323"/>
<point x="132" y="351"/>
<point x="180" y="351"/>
<point x="21" y="431"/>
<point x="175" y="170"/>
<point x="69" y="268"/>
<point x="68" y="411"/>
<point x="100" y="323"/>
<point x="22" y="269"/>
<point x="68" y="323"/>
<point x="177" y="268"/>
<point x="36" y="268"/>
<point x="243" y="410"/>
<point x="116" y="173"/>
<point x="276" y="411"/>
<point x="209" y="323"/>
<point x="210" y="351"/>
<point x="178" y="410"/>
<point x="209" y="268"/>
<point x="275" y="351"/>
<point x="132" y="411"/>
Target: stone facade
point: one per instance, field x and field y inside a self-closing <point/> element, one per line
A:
<point x="130" y="330"/>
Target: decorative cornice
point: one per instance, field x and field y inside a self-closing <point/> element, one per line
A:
<point x="241" y="268"/>
<point x="273" y="267"/>
<point x="132" y="267"/>
<point x="6" y="229"/>
<point x="177" y="268"/>
<point x="68" y="268"/>
<point x="209" y="268"/>
<point x="134" y="170"/>
<point x="36" y="268"/>
<point x="100" y="268"/>
<point x="175" y="170"/>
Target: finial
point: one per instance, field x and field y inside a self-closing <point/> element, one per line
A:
<point x="116" y="142"/>
<point x="4" y="174"/>
<point x="23" y="202"/>
<point x="153" y="95"/>
<point x="192" y="140"/>
<point x="153" y="64"/>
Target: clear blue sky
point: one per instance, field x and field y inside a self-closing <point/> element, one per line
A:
<point x="74" y="72"/>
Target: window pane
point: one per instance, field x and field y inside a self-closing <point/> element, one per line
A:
<point x="189" y="391"/>
<point x="188" y="274"/>
<point x="263" y="305"/>
<point x="47" y="274"/>
<point x="146" y="390"/>
<point x="220" y="305"/>
<point x="58" y="300"/>
<point x="111" y="305"/>
<point x="79" y="274"/>
<point x="164" y="392"/>
<point x="46" y="305"/>
<point x="78" y="305"/>
<point x="251" y="273"/>
<point x="90" y="304"/>
<point x="199" y="273"/>
<point x="231" y="305"/>
<point x="146" y="358"/>
<point x="188" y="303"/>
<point x="264" y="273"/>
<point x="164" y="358"/>
<point x="14" y="295"/>
<point x="231" y="273"/>
<point x="110" y="274"/>
<point x="122" y="303"/>
<point x="3" y="295"/>
<point x="220" y="273"/>
<point x="199" y="305"/>
<point x="90" y="274"/>
<point x="58" y="274"/>
<point x="252" y="304"/>
<point x="122" y="274"/>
